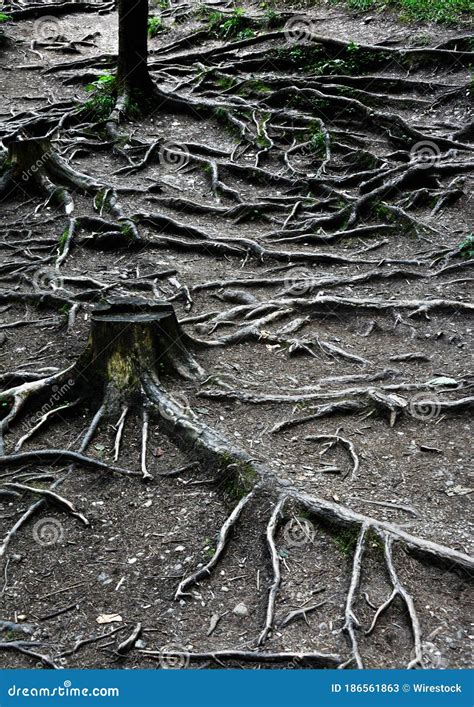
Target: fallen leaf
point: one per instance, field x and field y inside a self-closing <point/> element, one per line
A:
<point x="442" y="380"/>
<point x="109" y="618"/>
<point x="459" y="491"/>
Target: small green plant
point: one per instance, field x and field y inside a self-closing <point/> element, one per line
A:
<point x="101" y="103"/>
<point x="62" y="240"/>
<point x="346" y="540"/>
<point x="104" y="82"/>
<point x="155" y="26"/>
<point x="209" y="547"/>
<point x="375" y="542"/>
<point x="353" y="47"/>
<point x="272" y="18"/>
<point x="127" y="231"/>
<point x="441" y="11"/>
<point x="236" y="25"/>
<point x="133" y="109"/>
<point x="258" y="86"/>
<point x="246" y="33"/>
<point x="240" y="479"/>
<point x="226" y="82"/>
<point x="466" y="248"/>
<point x="3" y="18"/>
<point x="318" y="141"/>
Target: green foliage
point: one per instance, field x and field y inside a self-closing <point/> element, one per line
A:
<point x="346" y="540"/>
<point x="133" y="109"/>
<point x="62" y="240"/>
<point x="236" y="25"/>
<point x="272" y="18"/>
<point x="241" y="479"/>
<point x="313" y="59"/>
<point x="259" y="86"/>
<point x="100" y="106"/>
<point x="317" y="140"/>
<point x="162" y="4"/>
<point x="155" y="26"/>
<point x="209" y="548"/>
<point x="105" y="82"/>
<point x="127" y="231"/>
<point x="226" y="82"/>
<point x="466" y="248"/>
<point x="5" y="166"/>
<point x="446" y="11"/>
<point x="102" y="102"/>
<point x="3" y="18"/>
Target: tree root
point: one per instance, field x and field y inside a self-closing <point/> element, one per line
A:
<point x="272" y="595"/>
<point x="224" y="533"/>
<point x="316" y="660"/>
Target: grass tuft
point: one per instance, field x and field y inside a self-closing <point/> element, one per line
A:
<point x="442" y="11"/>
<point x="155" y="26"/>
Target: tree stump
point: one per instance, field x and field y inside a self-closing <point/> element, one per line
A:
<point x="130" y="338"/>
<point x="33" y="164"/>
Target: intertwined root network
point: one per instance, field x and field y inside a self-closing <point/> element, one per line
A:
<point x="321" y="164"/>
<point x="131" y="344"/>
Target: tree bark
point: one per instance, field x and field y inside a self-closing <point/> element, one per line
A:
<point x="132" y="70"/>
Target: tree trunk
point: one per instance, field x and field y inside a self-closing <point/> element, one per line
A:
<point x="132" y="70"/>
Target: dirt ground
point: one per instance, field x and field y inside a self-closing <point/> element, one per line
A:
<point x="60" y="578"/>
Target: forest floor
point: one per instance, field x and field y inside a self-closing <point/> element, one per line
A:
<point x="373" y="335"/>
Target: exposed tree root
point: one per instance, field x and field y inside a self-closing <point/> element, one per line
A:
<point x="272" y="595"/>
<point x="332" y="161"/>
<point x="316" y="660"/>
<point x="225" y="530"/>
<point x="127" y="369"/>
